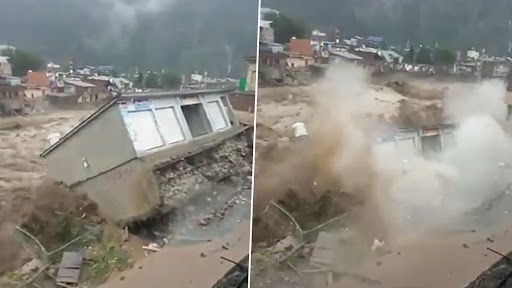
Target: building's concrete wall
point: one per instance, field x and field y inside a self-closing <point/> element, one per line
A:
<point x="181" y="150"/>
<point x="124" y="193"/>
<point x="104" y="143"/>
<point x="243" y="101"/>
<point x="251" y="77"/>
<point x="299" y="61"/>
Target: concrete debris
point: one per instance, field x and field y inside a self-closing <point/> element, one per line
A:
<point x="153" y="247"/>
<point x="126" y="234"/>
<point x="205" y="221"/>
<point x="299" y="130"/>
<point x="194" y="175"/>
<point x="286" y="245"/>
<point x="377" y="245"/>
<point x="31" y="267"/>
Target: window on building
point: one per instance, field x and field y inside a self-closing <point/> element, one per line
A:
<point x="168" y="125"/>
<point x="196" y="119"/>
<point x="216" y="115"/>
<point x="431" y="145"/>
<point x="143" y="130"/>
<point x="229" y="112"/>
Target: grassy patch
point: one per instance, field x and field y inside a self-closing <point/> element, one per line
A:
<point x="11" y="279"/>
<point x="107" y="258"/>
<point x="262" y="261"/>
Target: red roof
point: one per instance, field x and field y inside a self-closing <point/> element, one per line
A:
<point x="37" y="79"/>
<point x="301" y="46"/>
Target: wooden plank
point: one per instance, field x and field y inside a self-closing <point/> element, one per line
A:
<point x="69" y="268"/>
<point x="325" y="248"/>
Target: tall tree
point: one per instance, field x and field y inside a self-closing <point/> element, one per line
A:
<point x="152" y="81"/>
<point x="286" y="27"/>
<point x="22" y="61"/>
<point x="444" y="57"/>
<point x="170" y="80"/>
<point x="424" y="56"/>
<point x="409" y="58"/>
<point x="139" y="82"/>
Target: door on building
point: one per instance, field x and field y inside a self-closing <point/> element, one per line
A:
<point x="431" y="145"/>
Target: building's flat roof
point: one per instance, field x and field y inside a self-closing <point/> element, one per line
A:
<point x="346" y="54"/>
<point x="128" y="96"/>
<point x="60" y="94"/>
<point x="79" y="83"/>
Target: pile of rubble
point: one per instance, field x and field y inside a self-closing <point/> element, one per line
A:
<point x="195" y="174"/>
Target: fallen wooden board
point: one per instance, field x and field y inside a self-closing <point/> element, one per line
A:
<point x="324" y="251"/>
<point x="69" y="268"/>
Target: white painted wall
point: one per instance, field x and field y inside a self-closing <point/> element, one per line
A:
<point x="160" y="122"/>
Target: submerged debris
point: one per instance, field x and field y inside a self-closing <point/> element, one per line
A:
<point x="498" y="275"/>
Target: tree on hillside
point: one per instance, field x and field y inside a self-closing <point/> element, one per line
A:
<point x="139" y="82"/>
<point x="444" y="57"/>
<point x="152" y="81"/>
<point x="170" y="80"/>
<point x="424" y="56"/>
<point x="286" y="27"/>
<point x="22" y="61"/>
<point x="409" y="58"/>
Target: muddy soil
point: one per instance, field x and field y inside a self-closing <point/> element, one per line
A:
<point x="189" y="266"/>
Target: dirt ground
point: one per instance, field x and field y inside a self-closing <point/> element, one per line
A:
<point x="306" y="168"/>
<point x="181" y="265"/>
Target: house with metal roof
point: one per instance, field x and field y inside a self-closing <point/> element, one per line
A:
<point x="111" y="156"/>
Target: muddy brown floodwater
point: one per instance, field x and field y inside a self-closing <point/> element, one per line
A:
<point x="22" y="139"/>
<point x="435" y="258"/>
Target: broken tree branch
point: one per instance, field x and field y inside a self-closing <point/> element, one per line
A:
<point x="294" y="268"/>
<point x="33" y="238"/>
<point x="500" y="254"/>
<point x="48" y="254"/>
<point x="287" y="214"/>
<point x="325" y="223"/>
<point x="70" y="243"/>
<point x="293" y="252"/>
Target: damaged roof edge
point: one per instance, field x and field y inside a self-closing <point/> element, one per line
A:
<point x="128" y="96"/>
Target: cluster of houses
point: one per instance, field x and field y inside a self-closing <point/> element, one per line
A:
<point x="55" y="87"/>
<point x="202" y="81"/>
<point x="317" y="51"/>
<point x="321" y="49"/>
